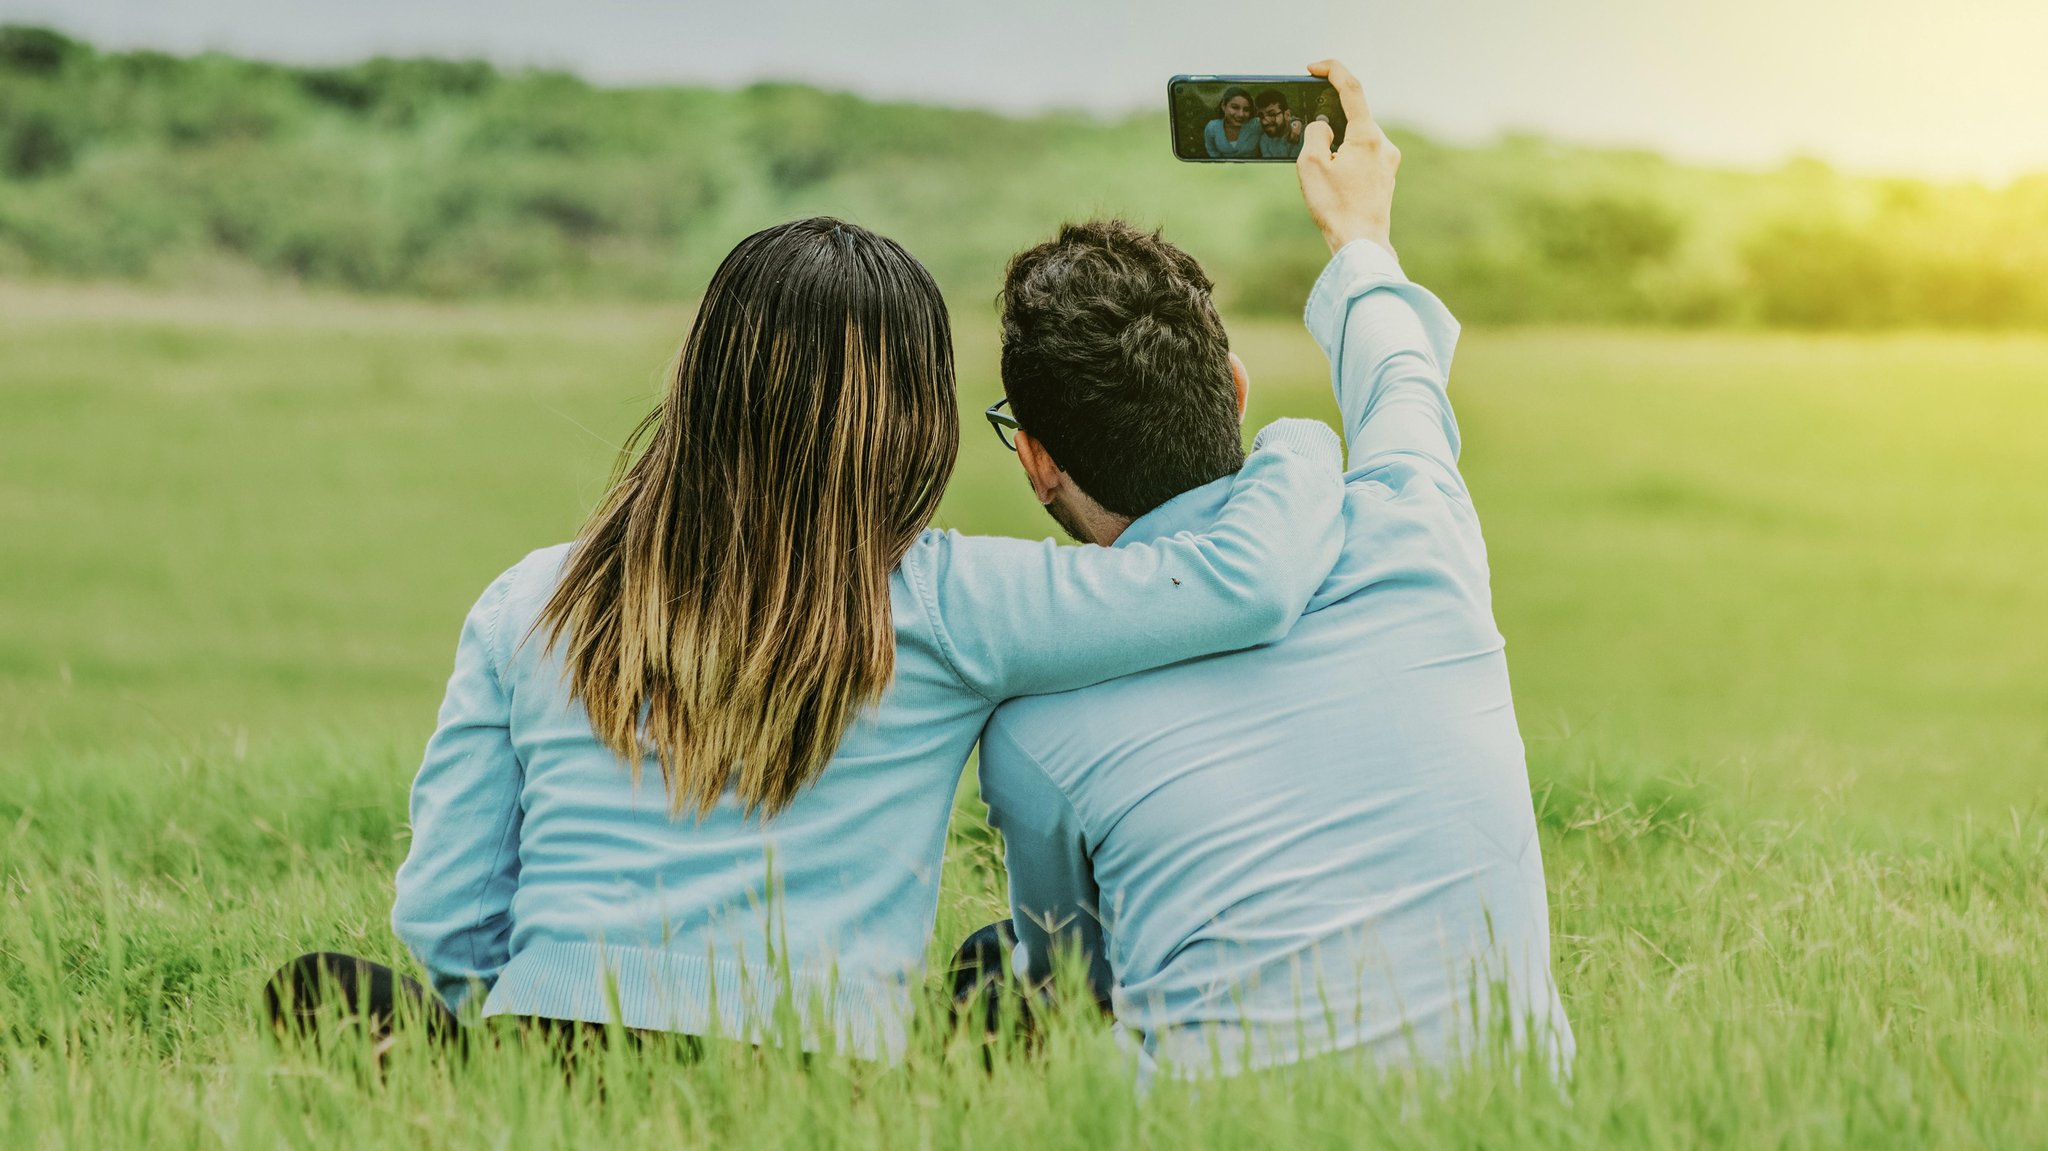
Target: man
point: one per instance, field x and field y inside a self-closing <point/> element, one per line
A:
<point x="1319" y="845"/>
<point x="1280" y="130"/>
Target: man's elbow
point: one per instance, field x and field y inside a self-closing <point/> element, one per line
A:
<point x="1270" y="612"/>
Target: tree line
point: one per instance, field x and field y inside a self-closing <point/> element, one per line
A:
<point x="456" y="178"/>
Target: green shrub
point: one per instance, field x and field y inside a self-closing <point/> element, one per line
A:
<point x="453" y="178"/>
<point x="35" y="142"/>
<point x="1819" y="273"/>
<point x="37" y="51"/>
<point x="1606" y="233"/>
<point x="396" y="91"/>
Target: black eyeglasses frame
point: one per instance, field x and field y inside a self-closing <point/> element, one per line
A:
<point x="1001" y="420"/>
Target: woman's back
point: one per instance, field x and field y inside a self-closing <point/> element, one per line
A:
<point x="836" y="894"/>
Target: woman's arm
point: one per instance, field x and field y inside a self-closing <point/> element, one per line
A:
<point x="1023" y="618"/>
<point x="1213" y="141"/>
<point x="454" y="903"/>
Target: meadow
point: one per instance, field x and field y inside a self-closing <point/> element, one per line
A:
<point x="1776" y="620"/>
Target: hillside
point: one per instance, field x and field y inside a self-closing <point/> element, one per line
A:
<point x="453" y="178"/>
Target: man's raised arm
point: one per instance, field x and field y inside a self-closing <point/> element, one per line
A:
<point x="1388" y="339"/>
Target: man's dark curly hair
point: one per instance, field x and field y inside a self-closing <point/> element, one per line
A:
<point x="1114" y="359"/>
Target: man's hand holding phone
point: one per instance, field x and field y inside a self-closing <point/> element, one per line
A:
<point x="1350" y="193"/>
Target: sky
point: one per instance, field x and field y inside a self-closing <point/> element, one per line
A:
<point x="1955" y="89"/>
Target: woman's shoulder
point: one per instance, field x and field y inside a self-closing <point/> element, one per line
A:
<point x="921" y="563"/>
<point x="545" y="563"/>
<point x="917" y="588"/>
<point x="537" y="572"/>
<point x="514" y="600"/>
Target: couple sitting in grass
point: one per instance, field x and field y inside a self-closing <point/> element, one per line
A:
<point x="1251" y="747"/>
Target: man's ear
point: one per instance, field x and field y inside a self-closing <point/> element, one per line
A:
<point x="1243" y="379"/>
<point x="1046" y="477"/>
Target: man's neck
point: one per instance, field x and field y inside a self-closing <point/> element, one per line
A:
<point x="1111" y="529"/>
<point x="1086" y="521"/>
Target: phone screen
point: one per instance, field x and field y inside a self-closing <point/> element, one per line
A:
<point x="1248" y="118"/>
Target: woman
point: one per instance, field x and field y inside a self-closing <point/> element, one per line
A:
<point x="693" y="771"/>
<point x="1232" y="135"/>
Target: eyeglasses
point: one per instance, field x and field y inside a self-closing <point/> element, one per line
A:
<point x="1003" y="422"/>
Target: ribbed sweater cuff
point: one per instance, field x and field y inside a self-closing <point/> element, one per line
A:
<point x="1310" y="439"/>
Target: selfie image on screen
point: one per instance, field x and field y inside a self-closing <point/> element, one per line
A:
<point x="1249" y="117"/>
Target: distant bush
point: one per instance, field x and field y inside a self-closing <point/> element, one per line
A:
<point x="396" y="91"/>
<point x="550" y="113"/>
<point x="34" y="141"/>
<point x="37" y="51"/>
<point x="1287" y="253"/>
<point x="1591" y="252"/>
<point x="1968" y="259"/>
<point x="1821" y="273"/>
<point x="454" y="178"/>
<point x="1607" y="234"/>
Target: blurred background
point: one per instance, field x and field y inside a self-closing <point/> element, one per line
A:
<point x="313" y="317"/>
<point x="1816" y="164"/>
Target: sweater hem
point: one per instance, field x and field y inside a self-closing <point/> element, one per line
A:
<point x="653" y="989"/>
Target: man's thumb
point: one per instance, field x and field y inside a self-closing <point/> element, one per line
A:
<point x="1315" y="141"/>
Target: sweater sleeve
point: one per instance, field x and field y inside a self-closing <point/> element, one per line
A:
<point x="1390" y="342"/>
<point x="454" y="902"/>
<point x="1023" y="618"/>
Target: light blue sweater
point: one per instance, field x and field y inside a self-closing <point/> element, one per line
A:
<point x="541" y="874"/>
<point x="1323" y="843"/>
<point x="1221" y="147"/>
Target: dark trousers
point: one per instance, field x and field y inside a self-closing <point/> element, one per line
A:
<point x="349" y="987"/>
<point x="328" y="982"/>
<point x="984" y="988"/>
<point x="982" y="984"/>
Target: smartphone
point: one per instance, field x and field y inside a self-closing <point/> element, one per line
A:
<point x="1222" y="119"/>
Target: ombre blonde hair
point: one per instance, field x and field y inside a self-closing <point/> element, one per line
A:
<point x="726" y="607"/>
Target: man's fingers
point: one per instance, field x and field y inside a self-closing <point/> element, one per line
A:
<point x="1350" y="92"/>
<point x="1315" y="142"/>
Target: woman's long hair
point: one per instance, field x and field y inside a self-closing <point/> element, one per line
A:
<point x="726" y="607"/>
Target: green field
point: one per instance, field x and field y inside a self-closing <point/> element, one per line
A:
<point x="1776" y="617"/>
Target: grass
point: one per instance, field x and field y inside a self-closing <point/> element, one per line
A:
<point x="1776" y="622"/>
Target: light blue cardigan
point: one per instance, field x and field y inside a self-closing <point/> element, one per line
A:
<point x="542" y="874"/>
